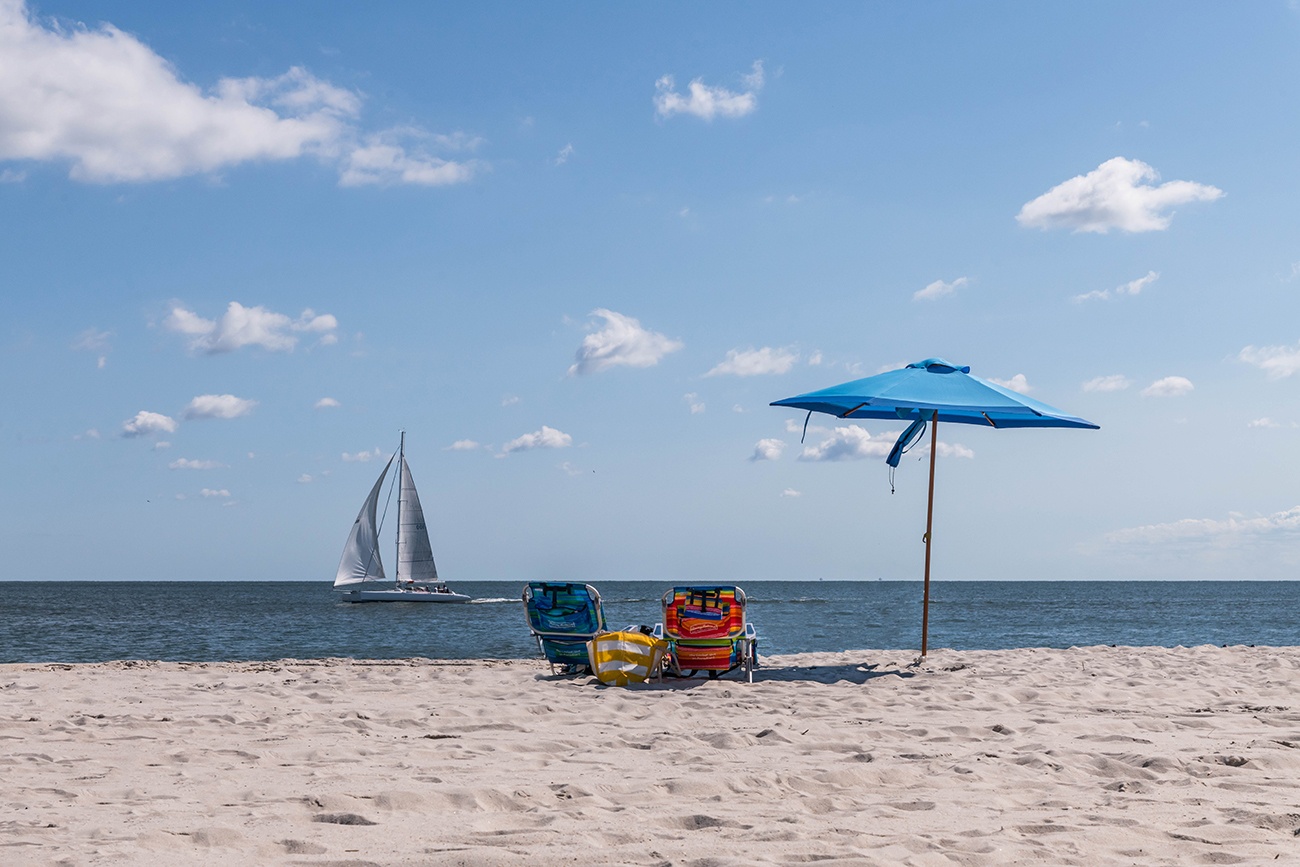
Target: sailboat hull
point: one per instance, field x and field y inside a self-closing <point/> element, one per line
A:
<point x="402" y="596"/>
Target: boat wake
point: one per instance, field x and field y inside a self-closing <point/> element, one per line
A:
<point x="492" y="599"/>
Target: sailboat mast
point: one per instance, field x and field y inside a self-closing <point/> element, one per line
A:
<point x="401" y="479"/>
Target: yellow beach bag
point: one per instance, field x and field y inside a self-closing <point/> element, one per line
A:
<point x="620" y="658"/>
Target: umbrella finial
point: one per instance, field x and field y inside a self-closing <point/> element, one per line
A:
<point x="939" y="365"/>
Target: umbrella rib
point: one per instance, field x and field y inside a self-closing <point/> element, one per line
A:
<point x="855" y="409"/>
<point x="989" y="420"/>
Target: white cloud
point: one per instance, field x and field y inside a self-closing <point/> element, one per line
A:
<point x="116" y="111"/>
<point x="146" y="422"/>
<point x="546" y="438"/>
<point x="187" y="464"/>
<point x="622" y="341"/>
<point x="707" y="102"/>
<point x="88" y="434"/>
<point x="363" y="457"/>
<point x="1278" y="362"/>
<point x="791" y="493"/>
<point x="402" y="156"/>
<point x="570" y="470"/>
<point x="93" y="340"/>
<point x="1233" y="530"/>
<point x="693" y="401"/>
<point x="305" y="479"/>
<point x="815" y="359"/>
<point x="1114" y="382"/>
<point x="1115" y="195"/>
<point x="463" y="446"/>
<point x="849" y="443"/>
<point x="160" y="445"/>
<point x="1262" y="423"/>
<point x="755" y="362"/>
<point x="563" y="156"/>
<point x="939" y="289"/>
<point x="209" y="493"/>
<point x="1132" y="287"/>
<point x="242" y="326"/>
<point x="327" y="403"/>
<point x="768" y="450"/>
<point x="1017" y="383"/>
<point x="10" y="176"/>
<point x="853" y="442"/>
<point x="510" y="400"/>
<point x="219" y="406"/>
<point x="1170" y="386"/>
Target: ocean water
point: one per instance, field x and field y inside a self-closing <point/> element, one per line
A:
<point x="213" y="621"/>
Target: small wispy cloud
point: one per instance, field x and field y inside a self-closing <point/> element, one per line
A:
<point x="939" y="289"/>
<point x="362" y="457"/>
<point x="707" y="101"/>
<point x="1017" y="383"/>
<point x="223" y="406"/>
<point x="1132" y="287"/>
<point x="306" y="479"/>
<point x="1226" y="532"/>
<point x="463" y="446"/>
<point x="1277" y="362"/>
<point x="755" y="362"/>
<point x="546" y="438"/>
<point x="1113" y="382"/>
<point x="563" y="156"/>
<point x="848" y="443"/>
<point x="242" y="326"/>
<point x="791" y="493"/>
<point x="188" y="464"/>
<point x="327" y="403"/>
<point x="96" y="341"/>
<point x="145" y="422"/>
<point x="217" y="493"/>
<point x="767" y="450"/>
<point x="693" y="401"/>
<point x="1169" y="386"/>
<point x="1262" y="423"/>
<point x="620" y="342"/>
<point x="1118" y="194"/>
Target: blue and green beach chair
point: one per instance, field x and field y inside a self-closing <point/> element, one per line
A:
<point x="563" y="618"/>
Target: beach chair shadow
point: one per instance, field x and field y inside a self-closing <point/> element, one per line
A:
<point x="563" y="618"/>
<point x="706" y="630"/>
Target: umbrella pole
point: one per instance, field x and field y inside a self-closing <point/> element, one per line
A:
<point x="929" y="523"/>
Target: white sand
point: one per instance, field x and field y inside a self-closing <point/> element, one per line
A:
<point x="1083" y="756"/>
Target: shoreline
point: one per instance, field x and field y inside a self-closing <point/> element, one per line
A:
<point x="1089" y="755"/>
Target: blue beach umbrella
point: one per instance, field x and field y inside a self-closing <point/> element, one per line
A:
<point x="931" y="391"/>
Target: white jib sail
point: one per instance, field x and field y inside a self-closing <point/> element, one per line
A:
<point x="360" y="561"/>
<point x="414" y="553"/>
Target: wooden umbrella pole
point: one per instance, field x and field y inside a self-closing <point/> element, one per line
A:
<point x="929" y="524"/>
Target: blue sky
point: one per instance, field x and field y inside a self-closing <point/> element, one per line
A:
<point x="576" y="250"/>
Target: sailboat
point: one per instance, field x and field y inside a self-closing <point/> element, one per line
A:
<point x="361" y="571"/>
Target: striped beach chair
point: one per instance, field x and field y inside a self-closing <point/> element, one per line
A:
<point x="563" y="618"/>
<point x="706" y="631"/>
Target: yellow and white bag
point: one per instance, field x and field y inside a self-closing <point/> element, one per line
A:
<point x="620" y="658"/>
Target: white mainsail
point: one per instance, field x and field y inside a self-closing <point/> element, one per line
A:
<point x="360" y="561"/>
<point x="414" y="553"/>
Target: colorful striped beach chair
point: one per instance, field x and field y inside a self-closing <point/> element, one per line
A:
<point x="563" y="618"/>
<point x="706" y="631"/>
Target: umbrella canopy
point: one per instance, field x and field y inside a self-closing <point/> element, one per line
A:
<point x="932" y="391"/>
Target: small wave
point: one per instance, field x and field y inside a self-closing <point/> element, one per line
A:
<point x="492" y="599"/>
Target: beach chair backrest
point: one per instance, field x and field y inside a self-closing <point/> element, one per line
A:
<point x="704" y="613"/>
<point x="563" y="609"/>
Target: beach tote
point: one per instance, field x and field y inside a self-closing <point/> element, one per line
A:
<point x="620" y="658"/>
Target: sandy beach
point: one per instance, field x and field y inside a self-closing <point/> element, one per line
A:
<point x="1083" y="756"/>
